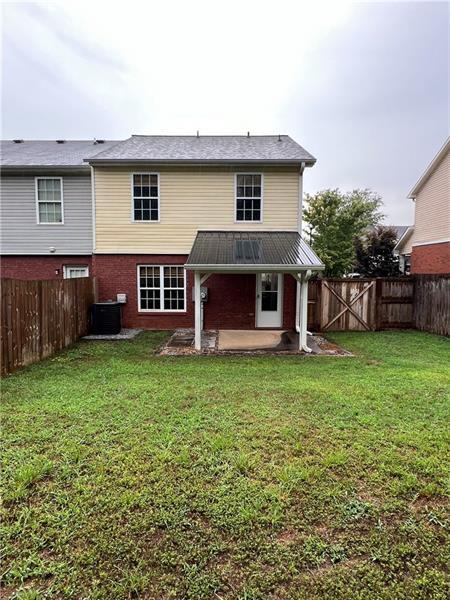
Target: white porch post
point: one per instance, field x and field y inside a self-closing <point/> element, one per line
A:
<point x="303" y="311"/>
<point x="197" y="308"/>
<point x="304" y="314"/>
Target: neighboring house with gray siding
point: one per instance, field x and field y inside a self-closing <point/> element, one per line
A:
<point x="46" y="207"/>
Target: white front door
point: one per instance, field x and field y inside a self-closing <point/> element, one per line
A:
<point x="269" y="300"/>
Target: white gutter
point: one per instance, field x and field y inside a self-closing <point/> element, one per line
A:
<point x="429" y="170"/>
<point x="252" y="268"/>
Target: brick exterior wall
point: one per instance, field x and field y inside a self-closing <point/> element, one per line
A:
<point x="117" y="274"/>
<point x="231" y="298"/>
<point x="431" y="259"/>
<point x="39" y="267"/>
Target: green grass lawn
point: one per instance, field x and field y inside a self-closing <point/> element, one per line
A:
<point x="132" y="475"/>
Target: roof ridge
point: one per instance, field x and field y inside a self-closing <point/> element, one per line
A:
<point x="211" y="135"/>
<point x="65" y="140"/>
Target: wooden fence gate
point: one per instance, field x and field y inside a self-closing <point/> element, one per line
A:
<point x="360" y="304"/>
<point x="348" y="305"/>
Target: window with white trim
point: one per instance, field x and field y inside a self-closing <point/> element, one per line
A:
<point x="75" y="271"/>
<point x="49" y="200"/>
<point x="248" y="197"/>
<point x="161" y="288"/>
<point x="145" y="197"/>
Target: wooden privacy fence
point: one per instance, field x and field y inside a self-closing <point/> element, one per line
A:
<point x="39" y="318"/>
<point x="432" y="303"/>
<point x="361" y="304"/>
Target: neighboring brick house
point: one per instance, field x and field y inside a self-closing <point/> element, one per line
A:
<point x="427" y="244"/>
<point x="178" y="216"/>
<point x="46" y="208"/>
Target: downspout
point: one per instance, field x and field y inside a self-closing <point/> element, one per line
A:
<point x="93" y="207"/>
<point x="94" y="239"/>
<point x="299" y="230"/>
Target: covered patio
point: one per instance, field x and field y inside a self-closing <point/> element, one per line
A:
<point x="269" y="255"/>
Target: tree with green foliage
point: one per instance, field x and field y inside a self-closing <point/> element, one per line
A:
<point x="375" y="253"/>
<point x="334" y="220"/>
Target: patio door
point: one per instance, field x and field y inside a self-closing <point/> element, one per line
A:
<point x="269" y="300"/>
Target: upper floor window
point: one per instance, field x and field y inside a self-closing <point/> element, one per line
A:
<point x="49" y="199"/>
<point x="249" y="197"/>
<point x="145" y="197"/>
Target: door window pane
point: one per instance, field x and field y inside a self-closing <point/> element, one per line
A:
<point x="269" y="291"/>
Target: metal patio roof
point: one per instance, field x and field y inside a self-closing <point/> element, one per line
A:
<point x="251" y="251"/>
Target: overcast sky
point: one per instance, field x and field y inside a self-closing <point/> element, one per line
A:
<point x="362" y="86"/>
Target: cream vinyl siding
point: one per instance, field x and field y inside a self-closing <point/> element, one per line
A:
<point x="407" y="246"/>
<point x="191" y="198"/>
<point x="432" y="212"/>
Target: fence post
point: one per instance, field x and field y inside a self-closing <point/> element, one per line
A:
<point x="95" y="289"/>
<point x="415" y="301"/>
<point x="41" y="320"/>
<point x="319" y="303"/>
<point x="378" y="303"/>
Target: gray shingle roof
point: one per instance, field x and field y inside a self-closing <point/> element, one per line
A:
<point x="48" y="153"/>
<point x="257" y="250"/>
<point x="207" y="148"/>
<point x="400" y="230"/>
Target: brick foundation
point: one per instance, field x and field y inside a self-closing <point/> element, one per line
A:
<point x="231" y="298"/>
<point x="39" y="267"/>
<point x="431" y="259"/>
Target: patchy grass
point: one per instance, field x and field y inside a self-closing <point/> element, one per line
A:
<point x="127" y="474"/>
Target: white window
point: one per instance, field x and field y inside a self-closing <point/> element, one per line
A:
<point x="161" y="288"/>
<point x="145" y="192"/>
<point x="73" y="271"/>
<point x="249" y="197"/>
<point x="49" y="200"/>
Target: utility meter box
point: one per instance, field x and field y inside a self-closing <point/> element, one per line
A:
<point x="122" y="298"/>
<point x="203" y="294"/>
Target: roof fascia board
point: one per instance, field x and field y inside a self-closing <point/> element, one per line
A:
<point x="429" y="170"/>
<point x="130" y="162"/>
<point x="44" y="168"/>
<point x="404" y="238"/>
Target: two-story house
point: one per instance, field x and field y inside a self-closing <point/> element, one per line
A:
<point x="181" y="217"/>
<point x="426" y="245"/>
<point x="46" y="208"/>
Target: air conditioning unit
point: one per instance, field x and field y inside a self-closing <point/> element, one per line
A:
<point x="106" y="318"/>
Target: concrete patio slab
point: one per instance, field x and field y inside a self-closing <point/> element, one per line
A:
<point x="231" y="339"/>
<point x="223" y="342"/>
